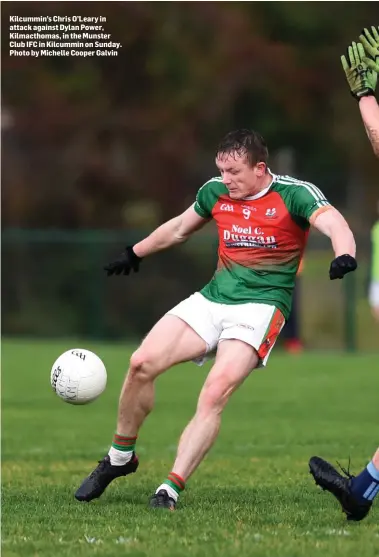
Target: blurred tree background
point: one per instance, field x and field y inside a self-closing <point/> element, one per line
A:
<point x="96" y="142"/>
<point x="124" y="143"/>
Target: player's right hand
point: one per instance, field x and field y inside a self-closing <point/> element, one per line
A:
<point x="127" y="261"/>
<point x="342" y="265"/>
<point x="361" y="80"/>
<point x="370" y="41"/>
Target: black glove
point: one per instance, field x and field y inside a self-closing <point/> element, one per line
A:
<point x="125" y="262"/>
<point x="341" y="265"/>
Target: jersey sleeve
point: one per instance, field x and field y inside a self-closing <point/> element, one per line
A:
<point x="306" y="199"/>
<point x="207" y="197"/>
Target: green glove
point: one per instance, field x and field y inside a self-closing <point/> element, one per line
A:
<point x="370" y="42"/>
<point x="361" y="80"/>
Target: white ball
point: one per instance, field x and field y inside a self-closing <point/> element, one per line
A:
<point x="78" y="376"/>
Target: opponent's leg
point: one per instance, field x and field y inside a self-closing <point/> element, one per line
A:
<point x="365" y="486"/>
<point x="375" y="459"/>
<point x="354" y="493"/>
<point x="169" y="342"/>
<point x="234" y="362"/>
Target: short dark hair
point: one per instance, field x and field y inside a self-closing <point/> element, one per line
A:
<point x="244" y="142"/>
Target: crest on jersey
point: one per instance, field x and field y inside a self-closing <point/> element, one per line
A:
<point x="271" y="213"/>
<point x="226" y="207"/>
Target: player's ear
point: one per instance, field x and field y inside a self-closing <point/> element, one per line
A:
<point x="260" y="169"/>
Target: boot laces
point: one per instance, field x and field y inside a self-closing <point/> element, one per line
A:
<point x="346" y="471"/>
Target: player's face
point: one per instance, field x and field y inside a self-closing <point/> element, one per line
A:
<point x="239" y="176"/>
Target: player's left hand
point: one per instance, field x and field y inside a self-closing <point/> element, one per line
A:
<point x="362" y="81"/>
<point x="342" y="265"/>
<point x="370" y="41"/>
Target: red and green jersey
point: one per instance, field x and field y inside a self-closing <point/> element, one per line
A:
<point x="261" y="240"/>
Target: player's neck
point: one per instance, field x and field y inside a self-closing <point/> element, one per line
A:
<point x="263" y="185"/>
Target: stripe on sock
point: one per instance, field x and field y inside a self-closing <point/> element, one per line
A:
<point x="123" y="443"/>
<point x="374" y="473"/>
<point x="176" y="478"/>
<point x="176" y="482"/>
<point x="123" y="438"/>
<point x="374" y="493"/>
<point x="369" y="490"/>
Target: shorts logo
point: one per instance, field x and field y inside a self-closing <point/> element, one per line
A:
<point x="245" y="326"/>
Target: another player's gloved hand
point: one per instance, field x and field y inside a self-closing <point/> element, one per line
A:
<point x="361" y="80"/>
<point x="370" y="41"/>
<point x="126" y="262"/>
<point x="342" y="265"/>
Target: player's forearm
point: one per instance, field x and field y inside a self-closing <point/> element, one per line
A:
<point x="369" y="109"/>
<point x="330" y="222"/>
<point x="163" y="237"/>
<point x="343" y="241"/>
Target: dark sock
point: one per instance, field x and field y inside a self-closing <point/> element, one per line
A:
<point x="365" y="486"/>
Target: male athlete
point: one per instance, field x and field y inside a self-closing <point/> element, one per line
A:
<point x="356" y="494"/>
<point x="263" y="222"/>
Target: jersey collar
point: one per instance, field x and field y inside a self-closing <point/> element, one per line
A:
<point x="263" y="192"/>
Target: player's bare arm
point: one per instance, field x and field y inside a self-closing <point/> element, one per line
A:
<point x="361" y="67"/>
<point x="369" y="110"/>
<point x="172" y="232"/>
<point x="331" y="223"/>
<point x="368" y="105"/>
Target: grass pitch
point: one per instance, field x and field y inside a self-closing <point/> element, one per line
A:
<point x="253" y="496"/>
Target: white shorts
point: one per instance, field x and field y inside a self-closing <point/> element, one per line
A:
<point x="256" y="324"/>
<point x="373" y="296"/>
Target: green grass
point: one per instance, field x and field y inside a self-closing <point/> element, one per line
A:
<point x="252" y="496"/>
